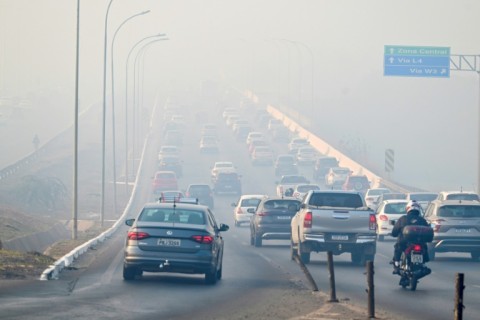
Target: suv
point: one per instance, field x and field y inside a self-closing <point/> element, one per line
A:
<point x="227" y="182"/>
<point x="458" y="195"/>
<point x="174" y="237"/>
<point x="272" y="220"/>
<point x="202" y="192"/>
<point x="357" y="183"/>
<point x="322" y="165"/>
<point x="285" y="164"/>
<point x="456" y="227"/>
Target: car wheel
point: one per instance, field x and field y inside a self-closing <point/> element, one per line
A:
<point x="381" y="237"/>
<point x="252" y="239"/>
<point x="293" y="250"/>
<point x="302" y="254"/>
<point x="431" y="253"/>
<point x="258" y="240"/>
<point x="129" y="273"/>
<point x="211" y="276"/>
<point x="219" y="273"/>
<point x="356" y="258"/>
<point x="475" y="255"/>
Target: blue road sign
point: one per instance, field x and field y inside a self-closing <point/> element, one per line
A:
<point x="410" y="61"/>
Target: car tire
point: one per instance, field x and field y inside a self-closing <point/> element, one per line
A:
<point x="129" y="273"/>
<point x="381" y="237"/>
<point x="219" y="273"/>
<point x="475" y="255"/>
<point x="431" y="253"/>
<point x="258" y="240"/>
<point x="252" y="239"/>
<point x="293" y="250"/>
<point x="302" y="254"/>
<point x="211" y="276"/>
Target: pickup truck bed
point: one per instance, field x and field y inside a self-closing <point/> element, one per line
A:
<point x="336" y="221"/>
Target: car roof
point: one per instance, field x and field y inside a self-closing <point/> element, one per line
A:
<point x="457" y="202"/>
<point x="396" y="201"/>
<point x="252" y="196"/>
<point x="179" y="205"/>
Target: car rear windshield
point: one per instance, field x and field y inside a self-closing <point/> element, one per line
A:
<point x="463" y="196"/>
<point x="341" y="171"/>
<point x="459" y="211"/>
<point x="171" y="215"/>
<point x="285" y="160"/>
<point x="282" y="204"/>
<point x="250" y="202"/>
<point x="165" y="175"/>
<point x="307" y="188"/>
<point x="395" y="208"/>
<point x="388" y="196"/>
<point x="340" y="200"/>
<point x="294" y="179"/>
<point x="328" y="162"/>
<point x="423" y="197"/>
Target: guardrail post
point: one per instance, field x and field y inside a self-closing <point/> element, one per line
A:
<point x="370" y="290"/>
<point x="459" y="287"/>
<point x="331" y="273"/>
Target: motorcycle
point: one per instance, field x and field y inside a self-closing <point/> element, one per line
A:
<point x="412" y="262"/>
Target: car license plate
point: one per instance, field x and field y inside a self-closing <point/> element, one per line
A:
<point x="342" y="237"/>
<point x="283" y="217"/>
<point x="416" y="258"/>
<point x="169" y="242"/>
<point x="463" y="230"/>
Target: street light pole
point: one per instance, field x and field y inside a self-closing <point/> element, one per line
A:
<point x="75" y="157"/>
<point x="136" y="88"/>
<point x="113" y="104"/>
<point x="126" y="97"/>
<point x="102" y="213"/>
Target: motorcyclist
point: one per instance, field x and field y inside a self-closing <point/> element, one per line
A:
<point x="413" y="217"/>
<point x="289" y="192"/>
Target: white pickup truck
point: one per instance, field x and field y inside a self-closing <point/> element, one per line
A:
<point x="336" y="221"/>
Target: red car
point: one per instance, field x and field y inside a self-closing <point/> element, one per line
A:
<point x="164" y="180"/>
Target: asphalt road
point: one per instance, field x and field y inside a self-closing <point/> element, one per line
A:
<point x="94" y="288"/>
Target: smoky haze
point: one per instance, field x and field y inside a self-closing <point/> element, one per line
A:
<point x="270" y="47"/>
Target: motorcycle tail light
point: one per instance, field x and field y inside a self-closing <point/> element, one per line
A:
<point x="417" y="248"/>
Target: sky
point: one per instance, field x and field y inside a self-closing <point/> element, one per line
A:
<point x="280" y="49"/>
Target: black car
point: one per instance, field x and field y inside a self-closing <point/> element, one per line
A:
<point x="272" y="220"/>
<point x="202" y="192"/>
<point x="227" y="182"/>
<point x="171" y="163"/>
<point x="285" y="165"/>
<point x="322" y="165"/>
<point x="174" y="237"/>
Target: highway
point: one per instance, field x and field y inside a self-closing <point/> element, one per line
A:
<point x="94" y="287"/>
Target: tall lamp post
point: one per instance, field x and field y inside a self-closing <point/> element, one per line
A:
<point x="75" y="157"/>
<point x="136" y="87"/>
<point x="126" y="97"/>
<point x="102" y="213"/>
<point x="113" y="104"/>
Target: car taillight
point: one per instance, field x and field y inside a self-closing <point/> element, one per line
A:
<point x="203" y="239"/>
<point x="437" y="224"/>
<point x="308" y="220"/>
<point x="133" y="235"/>
<point x="417" y="248"/>
<point x="369" y="199"/>
<point x="373" y="222"/>
<point x="383" y="217"/>
<point x="263" y="213"/>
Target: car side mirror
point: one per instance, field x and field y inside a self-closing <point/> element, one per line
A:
<point x="303" y="206"/>
<point x="129" y="222"/>
<point x="233" y="204"/>
<point x="223" y="227"/>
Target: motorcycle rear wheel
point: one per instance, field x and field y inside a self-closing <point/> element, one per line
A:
<point x="413" y="283"/>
